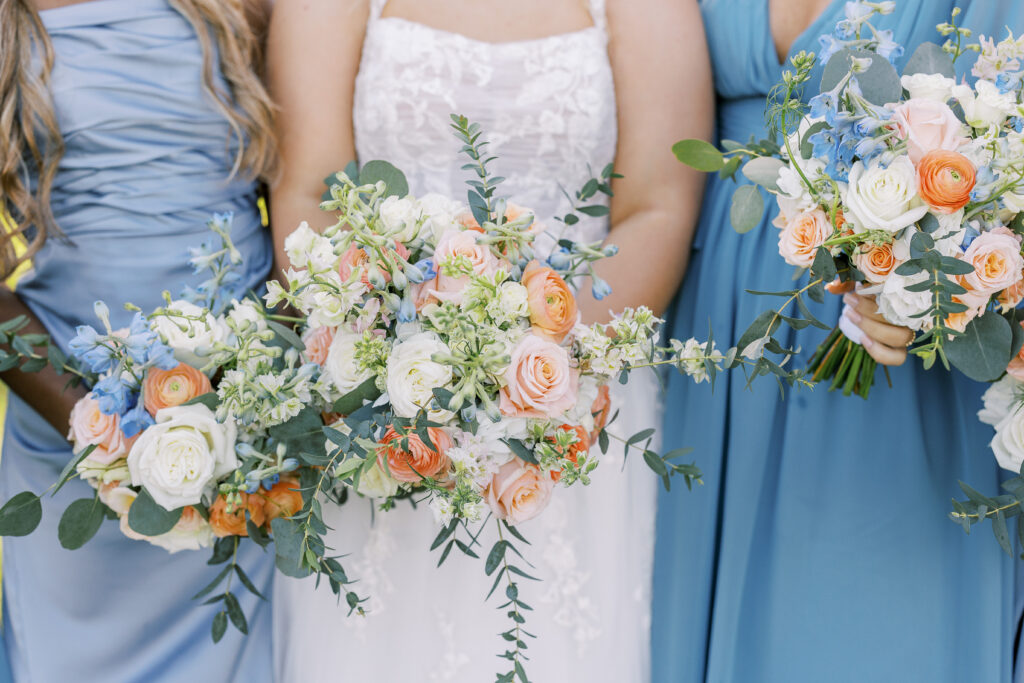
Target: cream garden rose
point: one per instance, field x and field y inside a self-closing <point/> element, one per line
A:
<point x="1008" y="442"/>
<point x="181" y="457"/>
<point x="899" y="306"/>
<point x="412" y="375"/>
<point x="883" y="198"/>
<point x="984" y="105"/>
<point x="341" y="366"/>
<point x="935" y="87"/>
<point x="190" y="331"/>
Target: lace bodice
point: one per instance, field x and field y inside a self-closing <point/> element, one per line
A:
<point x="547" y="106"/>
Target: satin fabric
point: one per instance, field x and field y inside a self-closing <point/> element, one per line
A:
<point x="819" y="548"/>
<point x="146" y="164"/>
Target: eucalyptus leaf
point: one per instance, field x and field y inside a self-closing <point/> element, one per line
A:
<point x="288" y="547"/>
<point x="930" y="58"/>
<point x="149" y="518"/>
<point x="764" y="171"/>
<point x="879" y="84"/>
<point x="20" y="515"/>
<point x="353" y="400"/>
<point x="699" y="154"/>
<point x="287" y="335"/>
<point x="983" y="351"/>
<point x="80" y="522"/>
<point x="375" y="171"/>
<point x="747" y="209"/>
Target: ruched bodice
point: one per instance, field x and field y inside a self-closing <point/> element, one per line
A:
<point x="146" y="165"/>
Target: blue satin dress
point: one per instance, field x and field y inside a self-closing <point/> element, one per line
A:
<point x="146" y="164"/>
<point x="818" y="548"/>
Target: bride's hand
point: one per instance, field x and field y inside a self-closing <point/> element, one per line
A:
<point x="886" y="343"/>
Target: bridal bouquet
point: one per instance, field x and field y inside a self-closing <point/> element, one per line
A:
<point x="452" y="350"/>
<point x="190" y="431"/>
<point x="911" y="186"/>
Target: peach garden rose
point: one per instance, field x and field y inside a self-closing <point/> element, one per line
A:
<point x="518" y="492"/>
<point x="539" y="381"/>
<point x="800" y="238"/>
<point x="553" y="310"/>
<point x="997" y="262"/>
<point x="318" y="343"/>
<point x="927" y="125"/>
<point x="90" y="426"/>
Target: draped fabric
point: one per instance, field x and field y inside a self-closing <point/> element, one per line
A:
<point x="147" y="162"/>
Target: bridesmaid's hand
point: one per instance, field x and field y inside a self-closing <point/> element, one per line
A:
<point x="886" y="343"/>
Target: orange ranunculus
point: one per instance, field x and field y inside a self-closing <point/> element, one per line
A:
<point x="553" y="309"/>
<point x="577" y="449"/>
<point x="283" y="499"/>
<point x="232" y="523"/>
<point x="416" y="461"/>
<point x="601" y="410"/>
<point x="168" y="388"/>
<point x="945" y="180"/>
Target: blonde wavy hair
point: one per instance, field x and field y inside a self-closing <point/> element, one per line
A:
<point x="30" y="138"/>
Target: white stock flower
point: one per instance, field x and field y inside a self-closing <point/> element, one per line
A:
<point x="883" y="198"/>
<point x="984" y="106"/>
<point x="375" y="483"/>
<point x="246" y="316"/>
<point x="341" y="366"/>
<point x="586" y="395"/>
<point x="928" y="86"/>
<point x="401" y="218"/>
<point x="510" y="304"/>
<point x="413" y="376"/>
<point x="898" y="306"/>
<point x="690" y="358"/>
<point x="191" y="337"/>
<point x="306" y="248"/>
<point x="182" y="456"/>
<point x="439" y="213"/>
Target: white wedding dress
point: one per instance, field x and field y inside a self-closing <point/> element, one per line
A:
<point x="548" y="108"/>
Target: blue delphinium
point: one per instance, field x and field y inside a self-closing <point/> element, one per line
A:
<point x="136" y="419"/>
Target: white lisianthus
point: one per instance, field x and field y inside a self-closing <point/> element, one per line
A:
<point x="331" y="305"/>
<point x="586" y="395"/>
<point x="401" y="218"/>
<point x="511" y="303"/>
<point x="439" y="213"/>
<point x="190" y="331"/>
<point x="1014" y="202"/>
<point x="341" y="366"/>
<point x="306" y="248"/>
<point x="898" y="306"/>
<point x="928" y="86"/>
<point x="412" y="376"/>
<point x="883" y="198"/>
<point x="999" y="399"/>
<point x="192" y="532"/>
<point x="690" y="358"/>
<point x="182" y="456"/>
<point x="984" y="106"/>
<point x="375" y="483"/>
<point x="442" y="509"/>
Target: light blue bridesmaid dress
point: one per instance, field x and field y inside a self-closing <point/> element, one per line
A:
<point x="147" y="162"/>
<point x="818" y="549"/>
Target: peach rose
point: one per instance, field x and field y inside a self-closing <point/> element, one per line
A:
<point x="355" y="258"/>
<point x="1016" y="367"/>
<point x="553" y="309"/>
<point x="454" y="244"/>
<point x="518" y="492"/>
<point x="318" y="343"/>
<point x="539" y="381"/>
<point x="997" y="262"/>
<point x="579" y="448"/>
<point x="601" y="410"/>
<point x="416" y="460"/>
<point x="90" y="426"/>
<point x="167" y="388"/>
<point x="945" y="180"/>
<point x="927" y="125"/>
<point x="284" y="499"/>
<point x="877" y="262"/>
<point x="975" y="307"/>
<point x="1010" y="297"/>
<point x="232" y="523"/>
<point x="800" y="238"/>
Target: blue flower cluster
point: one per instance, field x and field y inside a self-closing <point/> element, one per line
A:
<point x="219" y="257"/>
<point x="849" y="32"/>
<point x="855" y="128"/>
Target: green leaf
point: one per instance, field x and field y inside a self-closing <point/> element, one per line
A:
<point x="595" y="211"/>
<point x="235" y="612"/>
<point x="765" y="324"/>
<point x="764" y="171"/>
<point x="495" y="557"/>
<point x="80" y="522"/>
<point x="287" y="334"/>
<point x="353" y="400"/>
<point x="374" y="171"/>
<point x="520" y="450"/>
<point x="879" y="84"/>
<point x="288" y="547"/>
<point x="210" y="399"/>
<point x="806" y="148"/>
<point x="69" y="470"/>
<point x="213" y="584"/>
<point x="149" y="518"/>
<point x="930" y="58"/>
<point x="699" y="154"/>
<point x="1002" y="533"/>
<point x="303" y="433"/>
<point x="656" y="464"/>
<point x="220" y="626"/>
<point x="20" y="515"/>
<point x="983" y="351"/>
<point x="747" y="209"/>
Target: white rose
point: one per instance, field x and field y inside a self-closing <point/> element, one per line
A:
<point x="192" y="532"/>
<point x="439" y="213"/>
<point x="1008" y="442"/>
<point x="341" y="365"/>
<point x="401" y="218"/>
<point x="880" y="198"/>
<point x="374" y="483"/>
<point x="898" y="305"/>
<point x="999" y="398"/>
<point x="984" y="106"/>
<point x="413" y="376"/>
<point x="182" y="456"/>
<point x="306" y="248"/>
<point x="191" y="338"/>
<point x="928" y="86"/>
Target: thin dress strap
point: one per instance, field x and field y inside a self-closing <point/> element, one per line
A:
<point x="376" y="8"/>
<point x="597" y="11"/>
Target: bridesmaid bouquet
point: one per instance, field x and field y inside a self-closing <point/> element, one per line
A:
<point x="455" y="361"/>
<point x="909" y="185"/>
<point x="192" y="432"/>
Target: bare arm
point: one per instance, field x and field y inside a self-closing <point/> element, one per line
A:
<point x="313" y="56"/>
<point x="43" y="390"/>
<point x="664" y="94"/>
